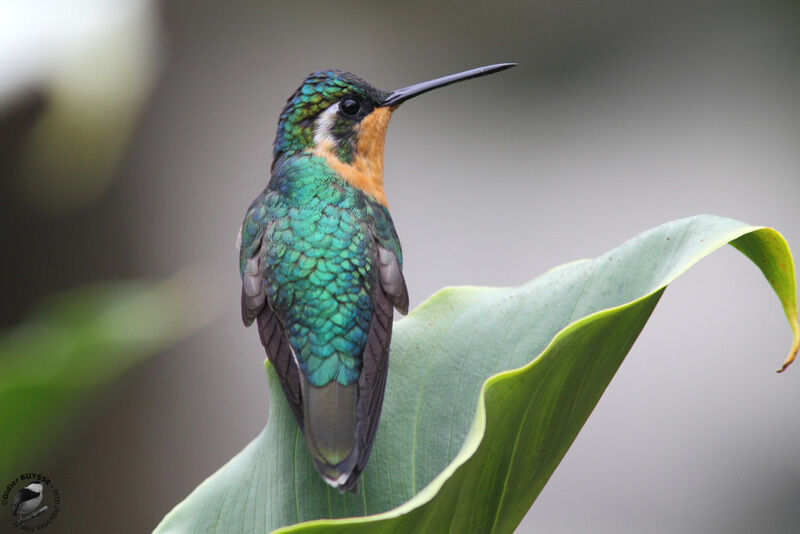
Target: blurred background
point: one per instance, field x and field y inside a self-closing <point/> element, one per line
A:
<point x="133" y="136"/>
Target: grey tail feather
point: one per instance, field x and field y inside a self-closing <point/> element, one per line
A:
<point x="330" y="430"/>
<point x="340" y="476"/>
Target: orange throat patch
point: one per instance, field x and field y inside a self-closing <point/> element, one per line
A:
<point x="366" y="171"/>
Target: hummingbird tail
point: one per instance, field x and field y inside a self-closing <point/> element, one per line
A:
<point x="330" y="430"/>
<point x="340" y="422"/>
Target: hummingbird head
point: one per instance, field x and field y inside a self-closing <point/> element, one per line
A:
<point x="341" y="118"/>
<point x="326" y="111"/>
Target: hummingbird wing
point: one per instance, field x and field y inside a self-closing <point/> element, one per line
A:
<point x="270" y="330"/>
<point x="391" y="292"/>
<point x="392" y="281"/>
<point x="279" y="353"/>
<point x="372" y="382"/>
<point x="390" y="258"/>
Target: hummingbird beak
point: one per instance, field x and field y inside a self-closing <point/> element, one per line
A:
<point x="401" y="95"/>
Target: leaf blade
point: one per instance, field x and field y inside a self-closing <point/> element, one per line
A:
<point x="563" y="337"/>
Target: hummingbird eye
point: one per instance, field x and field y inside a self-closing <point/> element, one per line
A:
<point x="350" y="107"/>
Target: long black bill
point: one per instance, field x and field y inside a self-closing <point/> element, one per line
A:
<point x="401" y="95"/>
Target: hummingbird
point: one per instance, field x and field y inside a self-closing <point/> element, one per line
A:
<point x="321" y="263"/>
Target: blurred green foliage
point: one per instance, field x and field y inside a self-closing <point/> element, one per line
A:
<point x="76" y="341"/>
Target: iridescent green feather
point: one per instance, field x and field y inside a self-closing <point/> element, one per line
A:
<point x="319" y="263"/>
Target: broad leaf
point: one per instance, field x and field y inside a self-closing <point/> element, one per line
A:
<point x="487" y="389"/>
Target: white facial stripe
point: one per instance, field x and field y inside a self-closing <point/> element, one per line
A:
<point x="322" y="126"/>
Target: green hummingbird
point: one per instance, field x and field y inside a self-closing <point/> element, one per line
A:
<point x="321" y="263"/>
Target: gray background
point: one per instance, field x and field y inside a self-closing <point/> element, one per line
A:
<point x="620" y="116"/>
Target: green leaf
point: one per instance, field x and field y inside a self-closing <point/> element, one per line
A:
<point x="79" y="340"/>
<point x="487" y="389"/>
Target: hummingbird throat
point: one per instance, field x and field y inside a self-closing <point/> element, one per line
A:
<point x="365" y="171"/>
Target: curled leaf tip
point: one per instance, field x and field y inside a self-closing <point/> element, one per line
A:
<point x="786" y="363"/>
<point x="795" y="346"/>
